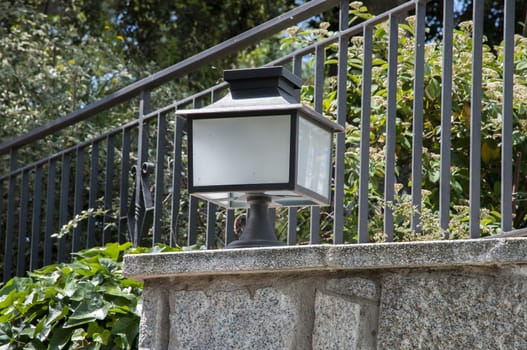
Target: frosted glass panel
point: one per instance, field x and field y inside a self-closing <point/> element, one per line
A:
<point x="248" y="150"/>
<point x="314" y="152"/>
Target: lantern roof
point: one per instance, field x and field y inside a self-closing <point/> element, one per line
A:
<point x="261" y="90"/>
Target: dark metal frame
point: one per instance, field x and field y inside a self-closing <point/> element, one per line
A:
<point x="45" y="182"/>
<point x="253" y="187"/>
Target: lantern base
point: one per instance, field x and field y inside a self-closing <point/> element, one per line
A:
<point x="258" y="231"/>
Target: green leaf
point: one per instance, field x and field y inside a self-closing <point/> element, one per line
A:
<point x="60" y="337"/>
<point x="433" y="89"/>
<point x="88" y="311"/>
<point x="126" y="328"/>
<point x="78" y="335"/>
<point x="35" y="345"/>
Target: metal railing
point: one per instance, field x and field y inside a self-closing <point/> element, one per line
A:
<point x="136" y="173"/>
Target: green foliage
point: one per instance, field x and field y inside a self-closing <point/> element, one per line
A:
<point x="85" y="304"/>
<point x="461" y="100"/>
<point x="47" y="70"/>
<point x="73" y="223"/>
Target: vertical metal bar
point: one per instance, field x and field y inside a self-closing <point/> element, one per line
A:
<point x="475" y="119"/>
<point x="365" y="135"/>
<point x="159" y="183"/>
<point x="340" y="150"/>
<point x="320" y="58"/>
<point x="210" y="238"/>
<point x="177" y="168"/>
<point x="292" y="212"/>
<point x="389" y="170"/>
<point x="123" y="187"/>
<point x="506" y="134"/>
<point x="446" y="115"/>
<point x="229" y="226"/>
<point x="22" y="225"/>
<point x="108" y="186"/>
<point x="314" y="237"/>
<point x="192" y="221"/>
<point x="192" y="234"/>
<point x="142" y="156"/>
<point x="63" y="204"/>
<point x="320" y="54"/>
<point x="10" y="223"/>
<point x="50" y="210"/>
<point x="35" y="224"/>
<point x="417" y="144"/>
<point x="77" y="200"/>
<point x="271" y="216"/>
<point x="2" y="211"/>
<point x="292" y="219"/>
<point x="92" y="198"/>
<point x="297" y="66"/>
<point x="214" y="95"/>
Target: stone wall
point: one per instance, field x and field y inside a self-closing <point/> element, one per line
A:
<point x="433" y="295"/>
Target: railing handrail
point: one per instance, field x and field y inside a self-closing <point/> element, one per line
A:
<point x="177" y="70"/>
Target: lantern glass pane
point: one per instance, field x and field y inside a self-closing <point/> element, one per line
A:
<point x="241" y="150"/>
<point x="314" y="157"/>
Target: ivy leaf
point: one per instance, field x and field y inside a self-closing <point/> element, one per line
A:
<point x="60" y="337"/>
<point x="88" y="311"/>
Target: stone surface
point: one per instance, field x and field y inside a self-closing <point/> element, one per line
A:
<point x="153" y="333"/>
<point x="423" y="295"/>
<point x="482" y="252"/>
<point x="354" y="286"/>
<point x="475" y="309"/>
<point x="234" y="319"/>
<point x="336" y="323"/>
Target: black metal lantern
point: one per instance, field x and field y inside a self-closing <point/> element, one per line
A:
<point x="259" y="147"/>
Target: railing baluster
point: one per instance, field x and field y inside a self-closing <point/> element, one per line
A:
<point x="320" y="60"/>
<point x="192" y="236"/>
<point x="210" y="237"/>
<point x="92" y="198"/>
<point x="108" y="187"/>
<point x="389" y="176"/>
<point x="364" y="166"/>
<point x="10" y="222"/>
<point x="297" y="66"/>
<point x="177" y="169"/>
<point x="63" y="205"/>
<point x="475" y="118"/>
<point x="142" y="157"/>
<point x="320" y="54"/>
<point x="159" y="183"/>
<point x="292" y="215"/>
<point x="229" y="226"/>
<point x="22" y="225"/>
<point x="123" y="187"/>
<point x="2" y="217"/>
<point x="417" y="144"/>
<point x="271" y="214"/>
<point x="210" y="234"/>
<point x="340" y="148"/>
<point x="78" y="198"/>
<point x="446" y="115"/>
<point x="36" y="224"/>
<point x="50" y="210"/>
<point x="506" y="134"/>
<point x="292" y="225"/>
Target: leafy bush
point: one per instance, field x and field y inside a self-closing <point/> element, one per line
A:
<point x="85" y="304"/>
